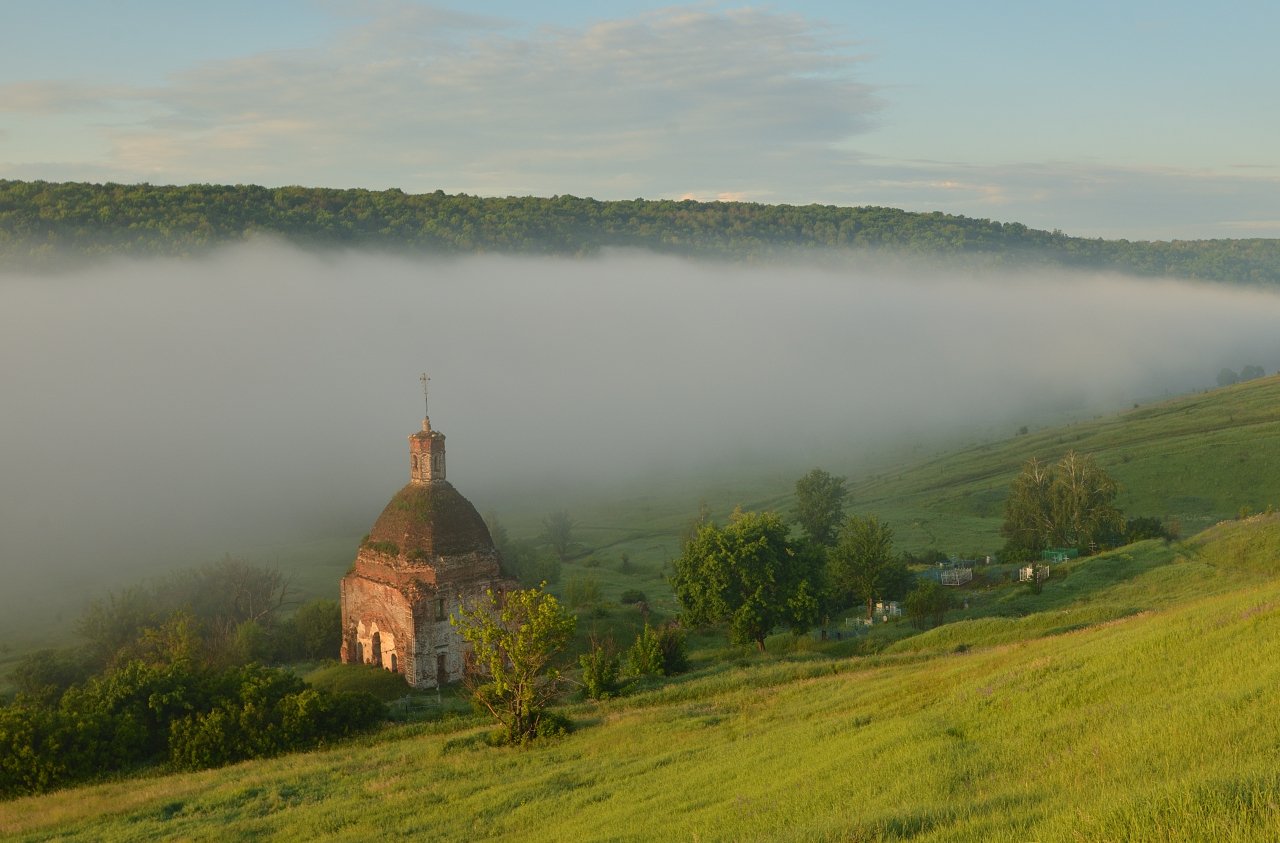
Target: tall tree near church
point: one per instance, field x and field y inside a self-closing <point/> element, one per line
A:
<point x="557" y="532"/>
<point x="820" y="499"/>
<point x="862" y="564"/>
<point x="1069" y="504"/>
<point x="745" y="574"/>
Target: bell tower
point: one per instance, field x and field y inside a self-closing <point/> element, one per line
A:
<point x="426" y="448"/>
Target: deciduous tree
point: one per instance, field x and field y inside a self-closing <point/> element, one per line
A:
<point x="745" y="574"/>
<point x="820" y="499"/>
<point x="1070" y="504"/>
<point x="862" y="564"/>
<point x="557" y="532"/>
<point x="515" y="638"/>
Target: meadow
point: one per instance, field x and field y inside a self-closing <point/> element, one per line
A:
<point x="1130" y="697"/>
<point x="1129" y="702"/>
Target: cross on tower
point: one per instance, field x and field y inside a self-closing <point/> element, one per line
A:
<point x="425" y="404"/>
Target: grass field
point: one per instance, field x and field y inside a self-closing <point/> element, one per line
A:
<point x="1132" y="699"/>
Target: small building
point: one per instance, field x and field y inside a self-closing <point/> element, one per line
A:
<point x="428" y="551"/>
<point x="888" y="609"/>
<point x="1033" y="573"/>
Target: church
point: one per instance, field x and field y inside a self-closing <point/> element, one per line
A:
<point x="428" y="551"/>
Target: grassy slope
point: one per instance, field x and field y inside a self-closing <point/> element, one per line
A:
<point x="1197" y="459"/>
<point x="1156" y="723"/>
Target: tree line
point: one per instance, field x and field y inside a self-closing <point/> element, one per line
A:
<point x="753" y="575"/>
<point x="45" y="224"/>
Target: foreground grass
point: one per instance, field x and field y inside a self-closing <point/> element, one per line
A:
<point x="1154" y="725"/>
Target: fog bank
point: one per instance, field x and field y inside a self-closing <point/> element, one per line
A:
<point x="154" y="410"/>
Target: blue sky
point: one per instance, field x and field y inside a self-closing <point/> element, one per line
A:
<point x="1117" y="119"/>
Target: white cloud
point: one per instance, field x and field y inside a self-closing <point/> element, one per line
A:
<point x="1087" y="199"/>
<point x="421" y="99"/>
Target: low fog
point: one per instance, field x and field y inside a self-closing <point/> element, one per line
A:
<point x="166" y="412"/>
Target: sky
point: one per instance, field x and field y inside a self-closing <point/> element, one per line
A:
<point x="1143" y="120"/>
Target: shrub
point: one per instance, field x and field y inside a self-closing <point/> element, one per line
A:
<point x="658" y="652"/>
<point x="1138" y="529"/>
<point x="632" y="596"/>
<point x="45" y="674"/>
<point x="675" y="659"/>
<point x="141" y="713"/>
<point x="927" y="603"/>
<point x="339" y="678"/>
<point x="601" y="668"/>
<point x="319" y="625"/>
<point x="645" y="656"/>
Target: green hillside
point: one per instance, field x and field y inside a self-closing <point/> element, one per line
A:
<point x="1195" y="460"/>
<point x="48" y="224"/>
<point x="1136" y="704"/>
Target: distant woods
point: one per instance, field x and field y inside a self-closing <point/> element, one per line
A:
<point x="44" y="224"/>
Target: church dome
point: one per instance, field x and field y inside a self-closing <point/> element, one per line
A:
<point x="426" y="522"/>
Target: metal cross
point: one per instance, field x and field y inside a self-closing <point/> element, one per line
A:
<point x="425" y="405"/>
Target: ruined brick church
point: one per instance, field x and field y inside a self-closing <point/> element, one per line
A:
<point x="428" y="550"/>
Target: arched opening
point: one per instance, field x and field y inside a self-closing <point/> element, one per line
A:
<point x="376" y="645"/>
<point x="393" y="663"/>
<point x="359" y="652"/>
<point x="442" y="672"/>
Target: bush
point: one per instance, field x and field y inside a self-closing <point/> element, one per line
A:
<point x="319" y="625"/>
<point x="1138" y="529"/>
<point x="601" y="668"/>
<point x="658" y="652"/>
<point x="927" y="603"/>
<point x="675" y="659"/>
<point x="632" y="596"/>
<point x="338" y="678"/>
<point x="645" y="656"/>
<point x="141" y="713"/>
<point x="44" y="675"/>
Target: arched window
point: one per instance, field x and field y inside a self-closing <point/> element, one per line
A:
<point x="393" y="663"/>
<point x="376" y="645"/>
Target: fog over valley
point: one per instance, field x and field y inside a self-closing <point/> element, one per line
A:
<point x="167" y="412"/>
